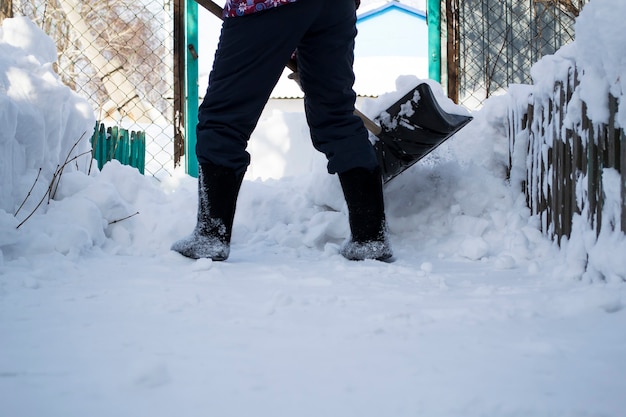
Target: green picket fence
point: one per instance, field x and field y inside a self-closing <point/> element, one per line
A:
<point x="129" y="148"/>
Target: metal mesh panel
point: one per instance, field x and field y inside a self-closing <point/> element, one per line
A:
<point x="500" y="40"/>
<point x="117" y="54"/>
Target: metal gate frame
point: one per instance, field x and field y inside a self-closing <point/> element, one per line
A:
<point x="186" y="76"/>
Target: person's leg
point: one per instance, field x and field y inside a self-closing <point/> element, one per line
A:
<point x="325" y="61"/>
<point x="218" y="188"/>
<point x="252" y="53"/>
<point x="325" y="64"/>
<point x="250" y="58"/>
<point x="363" y="191"/>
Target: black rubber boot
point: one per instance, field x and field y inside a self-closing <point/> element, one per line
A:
<point x="218" y="188"/>
<point x="363" y="190"/>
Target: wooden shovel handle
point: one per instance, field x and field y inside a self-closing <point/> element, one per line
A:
<point x="211" y="6"/>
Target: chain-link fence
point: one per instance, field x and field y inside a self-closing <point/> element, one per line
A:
<point x="494" y="43"/>
<point x="119" y="55"/>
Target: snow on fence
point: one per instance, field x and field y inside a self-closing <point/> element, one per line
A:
<point x="570" y="161"/>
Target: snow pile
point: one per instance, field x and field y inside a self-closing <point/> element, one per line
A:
<point x="601" y="54"/>
<point x="598" y="54"/>
<point x="455" y="204"/>
<point x="42" y="120"/>
<point x="601" y="71"/>
<point x="403" y="85"/>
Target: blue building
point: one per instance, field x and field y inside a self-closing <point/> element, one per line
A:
<point x="392" y="41"/>
<point x="392" y="29"/>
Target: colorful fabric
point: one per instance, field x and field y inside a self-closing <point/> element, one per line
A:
<point x="242" y="7"/>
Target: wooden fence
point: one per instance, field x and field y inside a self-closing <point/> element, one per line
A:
<point x="115" y="143"/>
<point x="565" y="161"/>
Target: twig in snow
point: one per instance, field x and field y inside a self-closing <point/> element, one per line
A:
<point x="122" y="219"/>
<point x="28" y="195"/>
<point x="67" y="160"/>
<point x="54" y="182"/>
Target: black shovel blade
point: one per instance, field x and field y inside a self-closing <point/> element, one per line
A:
<point x="412" y="128"/>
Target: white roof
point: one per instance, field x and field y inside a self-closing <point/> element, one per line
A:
<point x="374" y="76"/>
<point x="369" y="5"/>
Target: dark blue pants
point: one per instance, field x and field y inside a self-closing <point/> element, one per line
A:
<point x="250" y="58"/>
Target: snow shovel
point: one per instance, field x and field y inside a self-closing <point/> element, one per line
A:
<point x="412" y="128"/>
<point x="409" y="129"/>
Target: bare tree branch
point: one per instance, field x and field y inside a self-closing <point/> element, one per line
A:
<point x="567" y="6"/>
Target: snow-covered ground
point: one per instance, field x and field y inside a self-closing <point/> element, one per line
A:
<point x="479" y="315"/>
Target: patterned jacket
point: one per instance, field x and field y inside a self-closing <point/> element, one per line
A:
<point x="242" y="7"/>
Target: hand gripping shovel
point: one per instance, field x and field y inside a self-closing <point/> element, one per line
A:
<point x="409" y="129"/>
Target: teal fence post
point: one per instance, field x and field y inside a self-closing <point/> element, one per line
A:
<point x="111" y="142"/>
<point x="121" y="150"/>
<point x="134" y="148"/>
<point x="95" y="142"/>
<point x="141" y="152"/>
<point x="434" y="39"/>
<point x="98" y="144"/>
<point x="138" y="150"/>
<point x="192" y="97"/>
<point x="102" y="145"/>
